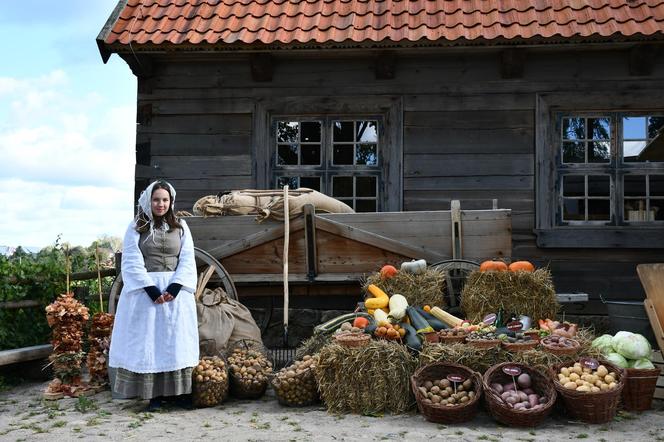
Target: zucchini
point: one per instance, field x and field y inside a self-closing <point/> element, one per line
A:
<point x="418" y="322"/>
<point x="433" y="322"/>
<point x="410" y="338"/>
<point x="334" y="323"/>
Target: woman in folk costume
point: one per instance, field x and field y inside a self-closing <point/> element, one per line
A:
<point x="154" y="345"/>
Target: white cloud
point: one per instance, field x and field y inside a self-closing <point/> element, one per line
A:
<point x="66" y="162"/>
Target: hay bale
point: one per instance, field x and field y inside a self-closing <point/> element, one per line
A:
<point x="366" y="380"/>
<point x="524" y="293"/>
<point x="480" y="359"/>
<point x="419" y="289"/>
<point x="312" y="345"/>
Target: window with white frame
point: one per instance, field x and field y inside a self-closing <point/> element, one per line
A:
<point x="338" y="156"/>
<point x="609" y="168"/>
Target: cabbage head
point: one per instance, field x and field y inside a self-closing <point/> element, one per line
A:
<point x="603" y="343"/>
<point x="631" y="345"/>
<point x="641" y="364"/>
<point x="617" y="359"/>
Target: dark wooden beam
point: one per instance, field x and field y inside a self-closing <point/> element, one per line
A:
<point x="262" y="67"/>
<point x="144" y="114"/>
<point x="512" y="63"/>
<point x="140" y="64"/>
<point x="310" y="241"/>
<point x="385" y="65"/>
<point x="143" y="153"/>
<point x="642" y="59"/>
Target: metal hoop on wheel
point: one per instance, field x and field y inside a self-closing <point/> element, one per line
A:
<point x="456" y="272"/>
<point x="203" y="259"/>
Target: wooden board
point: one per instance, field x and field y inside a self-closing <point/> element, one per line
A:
<point x="652" y="279"/>
<point x="658" y="361"/>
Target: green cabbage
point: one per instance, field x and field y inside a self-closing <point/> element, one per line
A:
<point x="631" y="345"/>
<point x="603" y="343"/>
<point x="641" y="364"/>
<point x="617" y="359"/>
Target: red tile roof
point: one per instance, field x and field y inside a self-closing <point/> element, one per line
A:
<point x="321" y="22"/>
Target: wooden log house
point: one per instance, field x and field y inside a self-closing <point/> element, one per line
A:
<point x="553" y="108"/>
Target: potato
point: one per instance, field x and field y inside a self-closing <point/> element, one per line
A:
<point x="512" y="400"/>
<point x="571" y="385"/>
<point x="565" y="371"/>
<point x="524" y="380"/>
<point x="602" y="371"/>
<point x="533" y="399"/>
<point x="608" y="379"/>
<point x="498" y="388"/>
<point x="574" y="377"/>
<point x="582" y="388"/>
<point x="612" y="385"/>
<point x="595" y="389"/>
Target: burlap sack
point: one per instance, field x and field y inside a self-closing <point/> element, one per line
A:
<point x="222" y="322"/>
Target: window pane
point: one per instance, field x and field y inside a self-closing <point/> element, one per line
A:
<point x="365" y="186"/>
<point x="574" y="185"/>
<point x="599" y="128"/>
<point x="291" y="182"/>
<point x="342" y="186"/>
<point x="657" y="208"/>
<point x="365" y="205"/>
<point x="287" y="131"/>
<point x="574" y="128"/>
<point x="634" y="185"/>
<point x="654" y="125"/>
<point x="311" y="131"/>
<point x="656" y="185"/>
<point x="599" y="152"/>
<point x="599" y="185"/>
<point x="634" y="128"/>
<point x="310" y="182"/>
<point x="367" y="132"/>
<point x="343" y="154"/>
<point x="574" y="210"/>
<point x="633" y="150"/>
<point x="366" y="154"/>
<point x="343" y="131"/>
<point x="287" y="154"/>
<point x="635" y="210"/>
<point x="599" y="210"/>
<point x="573" y="152"/>
<point x="310" y="154"/>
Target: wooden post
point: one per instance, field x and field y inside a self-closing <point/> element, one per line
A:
<point x="457" y="241"/>
<point x="310" y="241"/>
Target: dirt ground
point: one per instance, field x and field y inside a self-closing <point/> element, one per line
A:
<point x="24" y="416"/>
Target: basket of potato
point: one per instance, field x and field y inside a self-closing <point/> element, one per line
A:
<point x="210" y="382"/>
<point x="447" y="393"/>
<point x="590" y="389"/>
<point x="518" y="395"/>
<point x="295" y="385"/>
<point x="249" y="370"/>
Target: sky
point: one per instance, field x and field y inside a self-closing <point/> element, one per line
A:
<point x="67" y="126"/>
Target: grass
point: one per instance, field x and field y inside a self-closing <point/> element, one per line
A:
<point x="582" y="436"/>
<point x="85" y="404"/>
<point x="58" y="424"/>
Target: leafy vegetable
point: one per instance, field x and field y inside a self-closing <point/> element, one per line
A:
<point x="641" y="364"/>
<point x="631" y="345"/>
<point x="617" y="359"/>
<point x="603" y="343"/>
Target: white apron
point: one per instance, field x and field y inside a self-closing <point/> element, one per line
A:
<point x="149" y="337"/>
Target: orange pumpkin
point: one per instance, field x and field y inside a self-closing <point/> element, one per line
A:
<point x="388" y="271"/>
<point x="493" y="266"/>
<point x="521" y="266"/>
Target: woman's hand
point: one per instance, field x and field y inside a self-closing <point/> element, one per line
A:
<point x="165" y="297"/>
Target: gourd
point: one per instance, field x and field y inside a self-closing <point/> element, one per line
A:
<point x="379" y="300"/>
<point x="521" y="266"/>
<point x="414" y="267"/>
<point x="388" y="271"/>
<point x="418" y="322"/>
<point x="380" y="316"/>
<point x="398" y="306"/>
<point x="493" y="266"/>
<point x="448" y="319"/>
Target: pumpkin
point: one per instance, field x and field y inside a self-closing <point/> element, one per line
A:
<point x="415" y="266"/>
<point x="521" y="266"/>
<point x="493" y="266"/>
<point x="388" y="271"/>
<point x="379" y="300"/>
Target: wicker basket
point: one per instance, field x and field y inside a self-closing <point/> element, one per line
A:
<point x="209" y="393"/>
<point x="306" y="384"/>
<point x="239" y="387"/>
<point x="567" y="351"/>
<point x="639" y="388"/>
<point x="432" y="337"/>
<point x="484" y="343"/>
<point x="444" y="414"/>
<point x="509" y="416"/>
<point x="519" y="346"/>
<point x="444" y="339"/>
<point x="353" y="339"/>
<point x="593" y="408"/>
<point x="534" y="335"/>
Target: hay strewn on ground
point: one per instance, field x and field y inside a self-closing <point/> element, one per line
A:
<point x="421" y="289"/>
<point x="480" y="360"/>
<point x="523" y="293"/>
<point x="366" y="380"/>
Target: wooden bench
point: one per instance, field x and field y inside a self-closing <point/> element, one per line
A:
<point x="24" y="354"/>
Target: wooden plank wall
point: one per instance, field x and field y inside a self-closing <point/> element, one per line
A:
<point x="468" y="134"/>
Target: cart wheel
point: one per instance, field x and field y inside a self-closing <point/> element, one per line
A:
<point x="456" y="272"/>
<point x="203" y="260"/>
